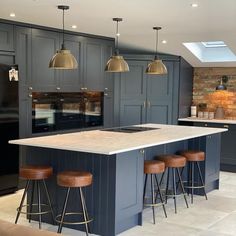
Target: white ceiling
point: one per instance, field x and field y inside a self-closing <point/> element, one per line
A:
<point x="213" y="20"/>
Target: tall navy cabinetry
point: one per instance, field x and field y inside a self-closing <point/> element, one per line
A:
<point x="6" y="37"/>
<point x="144" y="98"/>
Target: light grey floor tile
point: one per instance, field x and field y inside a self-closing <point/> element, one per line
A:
<point x="226" y="225"/>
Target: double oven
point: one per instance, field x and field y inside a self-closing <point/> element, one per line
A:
<point x="54" y="111"/>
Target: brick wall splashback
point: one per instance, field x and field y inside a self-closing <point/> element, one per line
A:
<point x="204" y="83"/>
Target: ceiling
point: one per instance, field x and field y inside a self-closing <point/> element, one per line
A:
<point x="212" y="20"/>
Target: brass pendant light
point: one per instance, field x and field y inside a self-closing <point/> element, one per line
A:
<point x="63" y="59"/>
<point x="116" y="63"/>
<point x="156" y="67"/>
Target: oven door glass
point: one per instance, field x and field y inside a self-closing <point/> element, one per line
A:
<point x="70" y="111"/>
<point x="93" y="113"/>
<point x="44" y="109"/>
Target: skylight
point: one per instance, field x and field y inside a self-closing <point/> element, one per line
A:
<point x="212" y="51"/>
<point x="214" y="44"/>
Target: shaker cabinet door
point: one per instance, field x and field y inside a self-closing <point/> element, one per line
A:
<point x="44" y="46"/>
<point x="160" y="96"/>
<point x="6" y="37"/>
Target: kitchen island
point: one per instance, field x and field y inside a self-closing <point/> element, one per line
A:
<point x="115" y="157"/>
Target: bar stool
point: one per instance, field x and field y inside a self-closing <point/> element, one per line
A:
<point x="35" y="175"/>
<point x="194" y="157"/>
<point x="173" y="162"/>
<point x="74" y="179"/>
<point x="154" y="167"/>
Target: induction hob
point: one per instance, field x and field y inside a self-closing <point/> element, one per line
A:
<point x="130" y="129"/>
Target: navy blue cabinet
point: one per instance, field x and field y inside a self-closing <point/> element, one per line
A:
<point x="44" y="46"/>
<point x="6" y="37"/>
<point x="147" y="98"/>
<point x="228" y="147"/>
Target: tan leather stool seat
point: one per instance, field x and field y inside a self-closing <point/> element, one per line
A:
<point x="174" y="161"/>
<point x="74" y="179"/>
<point x="35" y="172"/>
<point x="193" y="155"/>
<point x="154" y="167"/>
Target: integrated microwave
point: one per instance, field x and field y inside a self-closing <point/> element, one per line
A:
<point x="54" y="111"/>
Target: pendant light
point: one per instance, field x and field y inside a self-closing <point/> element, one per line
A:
<point x="156" y="67"/>
<point x="63" y="59"/>
<point x="116" y="63"/>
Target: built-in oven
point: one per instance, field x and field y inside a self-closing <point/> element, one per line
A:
<point x="61" y="111"/>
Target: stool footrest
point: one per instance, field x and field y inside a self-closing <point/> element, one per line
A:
<point x="33" y="213"/>
<point x="190" y="187"/>
<point x="57" y="219"/>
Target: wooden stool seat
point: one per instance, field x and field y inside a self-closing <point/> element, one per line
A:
<point x="74" y="179"/>
<point x="35" y="172"/>
<point x="174" y="161"/>
<point x="193" y="155"/>
<point x="154" y="167"/>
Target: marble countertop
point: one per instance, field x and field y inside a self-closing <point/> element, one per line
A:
<point x="192" y="119"/>
<point x="108" y="142"/>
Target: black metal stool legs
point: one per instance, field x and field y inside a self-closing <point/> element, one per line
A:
<point x="84" y="210"/>
<point x="182" y="187"/>
<point x="49" y="200"/>
<point x="39" y="203"/>
<point x="22" y="201"/>
<point x="31" y="201"/>
<point x="201" y="179"/>
<point x="63" y="211"/>
<point x="161" y="198"/>
<point x="174" y="188"/>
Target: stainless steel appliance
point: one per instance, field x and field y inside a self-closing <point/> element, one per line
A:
<point x="55" y="111"/>
<point x="9" y="128"/>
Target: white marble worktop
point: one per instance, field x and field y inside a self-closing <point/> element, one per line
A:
<point x="193" y="119"/>
<point x="108" y="142"/>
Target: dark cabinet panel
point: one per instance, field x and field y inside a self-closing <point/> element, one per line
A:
<point x="70" y="80"/>
<point x="44" y="46"/>
<point x="108" y="111"/>
<point x="108" y="77"/>
<point x="160" y="96"/>
<point x="228" y="147"/>
<point x="6" y="37"/>
<point x="146" y="98"/>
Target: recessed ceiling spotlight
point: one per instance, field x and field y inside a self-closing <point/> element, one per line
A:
<point x="164" y="41"/>
<point x="74" y="26"/>
<point x="12" y="14"/>
<point x="194" y="5"/>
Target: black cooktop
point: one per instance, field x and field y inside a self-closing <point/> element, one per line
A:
<point x="130" y="129"/>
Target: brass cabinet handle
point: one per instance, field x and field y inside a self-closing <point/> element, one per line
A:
<point x="30" y="88"/>
<point x="30" y="95"/>
<point x="149" y="104"/>
<point x="58" y="88"/>
<point x="205" y="125"/>
<point x="105" y="94"/>
<point x="144" y="104"/>
<point x="142" y="151"/>
<point x="226" y="126"/>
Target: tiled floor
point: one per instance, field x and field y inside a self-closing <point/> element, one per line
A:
<point x="215" y="217"/>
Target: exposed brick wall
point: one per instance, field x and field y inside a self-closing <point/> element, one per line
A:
<point x="204" y="83"/>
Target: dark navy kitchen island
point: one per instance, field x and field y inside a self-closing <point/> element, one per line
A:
<point x="116" y="159"/>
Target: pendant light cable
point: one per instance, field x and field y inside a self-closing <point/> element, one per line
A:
<point x="63" y="29"/>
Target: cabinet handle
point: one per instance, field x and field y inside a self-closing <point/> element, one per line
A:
<point x="85" y="88"/>
<point x="30" y="88"/>
<point x="226" y="126"/>
<point x="142" y="151"/>
<point x="149" y="104"/>
<point x="205" y="125"/>
<point x="144" y="104"/>
<point x="30" y="95"/>
<point x="105" y="88"/>
<point x="105" y="94"/>
<point x="58" y="88"/>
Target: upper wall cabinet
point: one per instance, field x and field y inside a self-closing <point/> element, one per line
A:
<point x="44" y="46"/>
<point x="6" y="37"/>
<point x="96" y="52"/>
<point x="70" y="80"/>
